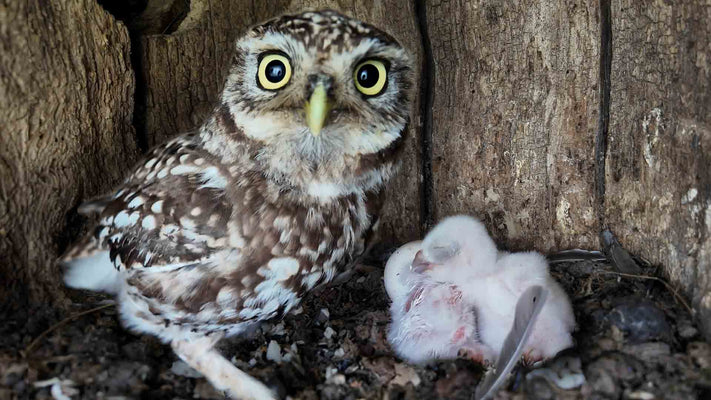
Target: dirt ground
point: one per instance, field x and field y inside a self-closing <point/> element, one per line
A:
<point x="635" y="341"/>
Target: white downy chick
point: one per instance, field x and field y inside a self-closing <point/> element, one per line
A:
<point x="460" y="251"/>
<point x="552" y="332"/>
<point x="429" y="320"/>
<point x="397" y="270"/>
<point x="496" y="295"/>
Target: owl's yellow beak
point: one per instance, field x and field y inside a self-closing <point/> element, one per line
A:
<point x="317" y="109"/>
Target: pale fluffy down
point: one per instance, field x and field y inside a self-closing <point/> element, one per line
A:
<point x="430" y="320"/>
<point x="397" y="270"/>
<point x="95" y="272"/>
<point x="496" y="298"/>
<point x="459" y="248"/>
<point x="460" y="256"/>
<point x="433" y="323"/>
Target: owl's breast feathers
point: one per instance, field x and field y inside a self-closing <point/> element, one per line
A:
<point x="208" y="245"/>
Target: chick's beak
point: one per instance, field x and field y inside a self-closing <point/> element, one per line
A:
<point x="318" y="107"/>
<point x="420" y="264"/>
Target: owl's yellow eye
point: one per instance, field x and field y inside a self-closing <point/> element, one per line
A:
<point x="274" y="71"/>
<point x="370" y="77"/>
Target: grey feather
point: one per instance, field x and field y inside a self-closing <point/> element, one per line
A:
<point x="619" y="257"/>
<point x="528" y="308"/>
<point x="575" y="255"/>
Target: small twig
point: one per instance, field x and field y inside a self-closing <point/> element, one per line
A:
<point x="669" y="287"/>
<point x="34" y="343"/>
<point x="58" y="359"/>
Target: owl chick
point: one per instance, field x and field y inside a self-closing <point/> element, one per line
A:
<point x="460" y="251"/>
<point x="277" y="192"/>
<point x="552" y="331"/>
<point x="398" y="271"/>
<point x="430" y="321"/>
<point x="462" y="244"/>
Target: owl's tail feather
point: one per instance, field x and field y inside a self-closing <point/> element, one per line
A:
<point x="94" y="271"/>
<point x="200" y="354"/>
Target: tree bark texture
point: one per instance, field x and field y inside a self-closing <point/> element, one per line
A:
<point x="66" y="101"/>
<point x="184" y="73"/>
<point x="515" y="115"/>
<point x="658" y="170"/>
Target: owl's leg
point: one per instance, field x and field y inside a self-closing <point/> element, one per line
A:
<point x="199" y="353"/>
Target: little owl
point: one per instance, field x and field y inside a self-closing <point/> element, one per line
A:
<point x="276" y="193"/>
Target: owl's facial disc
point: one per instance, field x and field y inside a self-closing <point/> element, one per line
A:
<point x="321" y="98"/>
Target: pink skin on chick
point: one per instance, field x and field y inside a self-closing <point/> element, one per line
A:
<point x="430" y="319"/>
<point x="434" y="324"/>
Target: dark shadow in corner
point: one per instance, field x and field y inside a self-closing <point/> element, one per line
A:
<point x="140" y="20"/>
<point x="426" y="103"/>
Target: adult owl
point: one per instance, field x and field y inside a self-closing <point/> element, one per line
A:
<point x="277" y="192"/>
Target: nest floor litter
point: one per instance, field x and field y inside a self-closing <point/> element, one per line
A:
<point x="635" y="340"/>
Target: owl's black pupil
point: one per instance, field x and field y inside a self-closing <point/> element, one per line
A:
<point x="275" y="71"/>
<point x="368" y="75"/>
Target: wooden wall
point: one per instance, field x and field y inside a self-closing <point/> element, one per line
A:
<point x="66" y="106"/>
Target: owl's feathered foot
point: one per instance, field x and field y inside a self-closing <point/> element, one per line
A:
<point x="200" y="354"/>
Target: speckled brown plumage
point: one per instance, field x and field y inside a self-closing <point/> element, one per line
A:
<point x="234" y="224"/>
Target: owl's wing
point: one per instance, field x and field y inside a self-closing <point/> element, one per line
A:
<point x="172" y="209"/>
